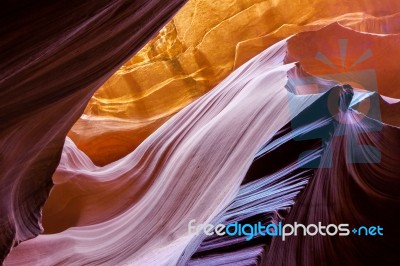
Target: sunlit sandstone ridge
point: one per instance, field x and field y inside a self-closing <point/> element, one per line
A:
<point x="203" y="43"/>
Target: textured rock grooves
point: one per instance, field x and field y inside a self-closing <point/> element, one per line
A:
<point x="306" y="130"/>
<point x="54" y="55"/>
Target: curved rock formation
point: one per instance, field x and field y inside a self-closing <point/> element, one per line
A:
<point x="167" y="165"/>
<point x="306" y="131"/>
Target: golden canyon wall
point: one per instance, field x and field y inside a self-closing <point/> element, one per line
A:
<point x="198" y="48"/>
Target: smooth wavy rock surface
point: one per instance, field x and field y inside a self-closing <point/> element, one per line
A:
<point x="274" y="141"/>
<point x="54" y="56"/>
<point x="166" y="166"/>
<point x="204" y="43"/>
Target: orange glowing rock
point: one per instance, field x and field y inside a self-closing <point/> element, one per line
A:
<point x="204" y="43"/>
